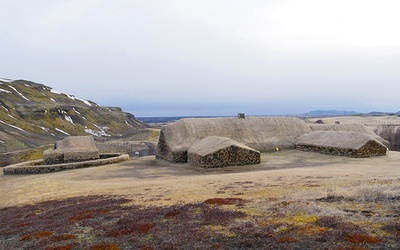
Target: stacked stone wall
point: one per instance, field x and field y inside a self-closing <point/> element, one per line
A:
<point x="37" y="167"/>
<point x="369" y="149"/>
<point x="230" y="156"/>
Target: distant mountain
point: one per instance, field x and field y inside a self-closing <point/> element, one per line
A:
<point x="33" y="114"/>
<point x="322" y="113"/>
<point x="375" y="113"/>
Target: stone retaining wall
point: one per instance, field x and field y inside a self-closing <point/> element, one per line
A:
<point x="36" y="167"/>
<point x="368" y="150"/>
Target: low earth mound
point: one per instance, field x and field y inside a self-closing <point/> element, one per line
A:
<point x="214" y="151"/>
<point x="261" y="133"/>
<point x="341" y="143"/>
<point x="33" y="114"/>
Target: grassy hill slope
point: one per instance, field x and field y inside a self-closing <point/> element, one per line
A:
<point x="33" y="114"/>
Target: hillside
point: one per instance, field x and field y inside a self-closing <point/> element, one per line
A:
<point x="323" y="113"/>
<point x="33" y="114"/>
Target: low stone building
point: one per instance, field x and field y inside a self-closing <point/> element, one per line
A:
<point x="343" y="143"/>
<point x="261" y="133"/>
<point x="349" y="128"/>
<point x="215" y="151"/>
<point x="72" y="149"/>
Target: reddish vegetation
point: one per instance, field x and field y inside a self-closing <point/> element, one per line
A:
<point x="172" y="213"/>
<point x="286" y="240"/>
<point x="26" y="237"/>
<point x="66" y="247"/>
<point x="352" y="248"/>
<point x="131" y="229"/>
<point x="105" y="247"/>
<point x="362" y="239"/>
<point x="55" y="225"/>
<point x="225" y="201"/>
<point x="146" y="248"/>
<point x="37" y="235"/>
<point x="88" y="214"/>
<point x="63" y="237"/>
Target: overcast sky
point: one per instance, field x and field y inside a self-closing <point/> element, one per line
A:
<point x="208" y="57"/>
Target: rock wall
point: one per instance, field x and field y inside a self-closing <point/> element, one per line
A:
<point x="216" y="151"/>
<point x="36" y="167"/>
<point x="371" y="148"/>
<point x="230" y="156"/>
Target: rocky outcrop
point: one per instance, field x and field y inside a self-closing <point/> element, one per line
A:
<point x="72" y="149"/>
<point x="214" y="152"/>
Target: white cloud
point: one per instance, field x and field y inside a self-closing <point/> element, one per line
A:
<point x="221" y="52"/>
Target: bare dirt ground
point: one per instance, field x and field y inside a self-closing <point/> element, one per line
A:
<point x="295" y="192"/>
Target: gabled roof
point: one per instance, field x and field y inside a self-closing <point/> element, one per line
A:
<point x="261" y="133"/>
<point x="213" y="144"/>
<point x="349" y="128"/>
<point x="336" y="139"/>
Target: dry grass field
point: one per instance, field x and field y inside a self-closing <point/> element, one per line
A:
<point x="364" y="120"/>
<point x="292" y="200"/>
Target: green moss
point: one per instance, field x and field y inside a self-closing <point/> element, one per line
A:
<point x="34" y="154"/>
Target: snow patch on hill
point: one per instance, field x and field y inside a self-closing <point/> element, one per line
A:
<point x="66" y="116"/>
<point x="70" y="96"/>
<point x="61" y="131"/>
<point x="5" y="123"/>
<point x="69" y="119"/>
<point x="79" y="99"/>
<point x="19" y="93"/>
<point x="3" y="90"/>
<point x="54" y="91"/>
<point x="128" y="124"/>
<point x="45" y="129"/>
<point x="101" y="132"/>
<point x="5" y="80"/>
